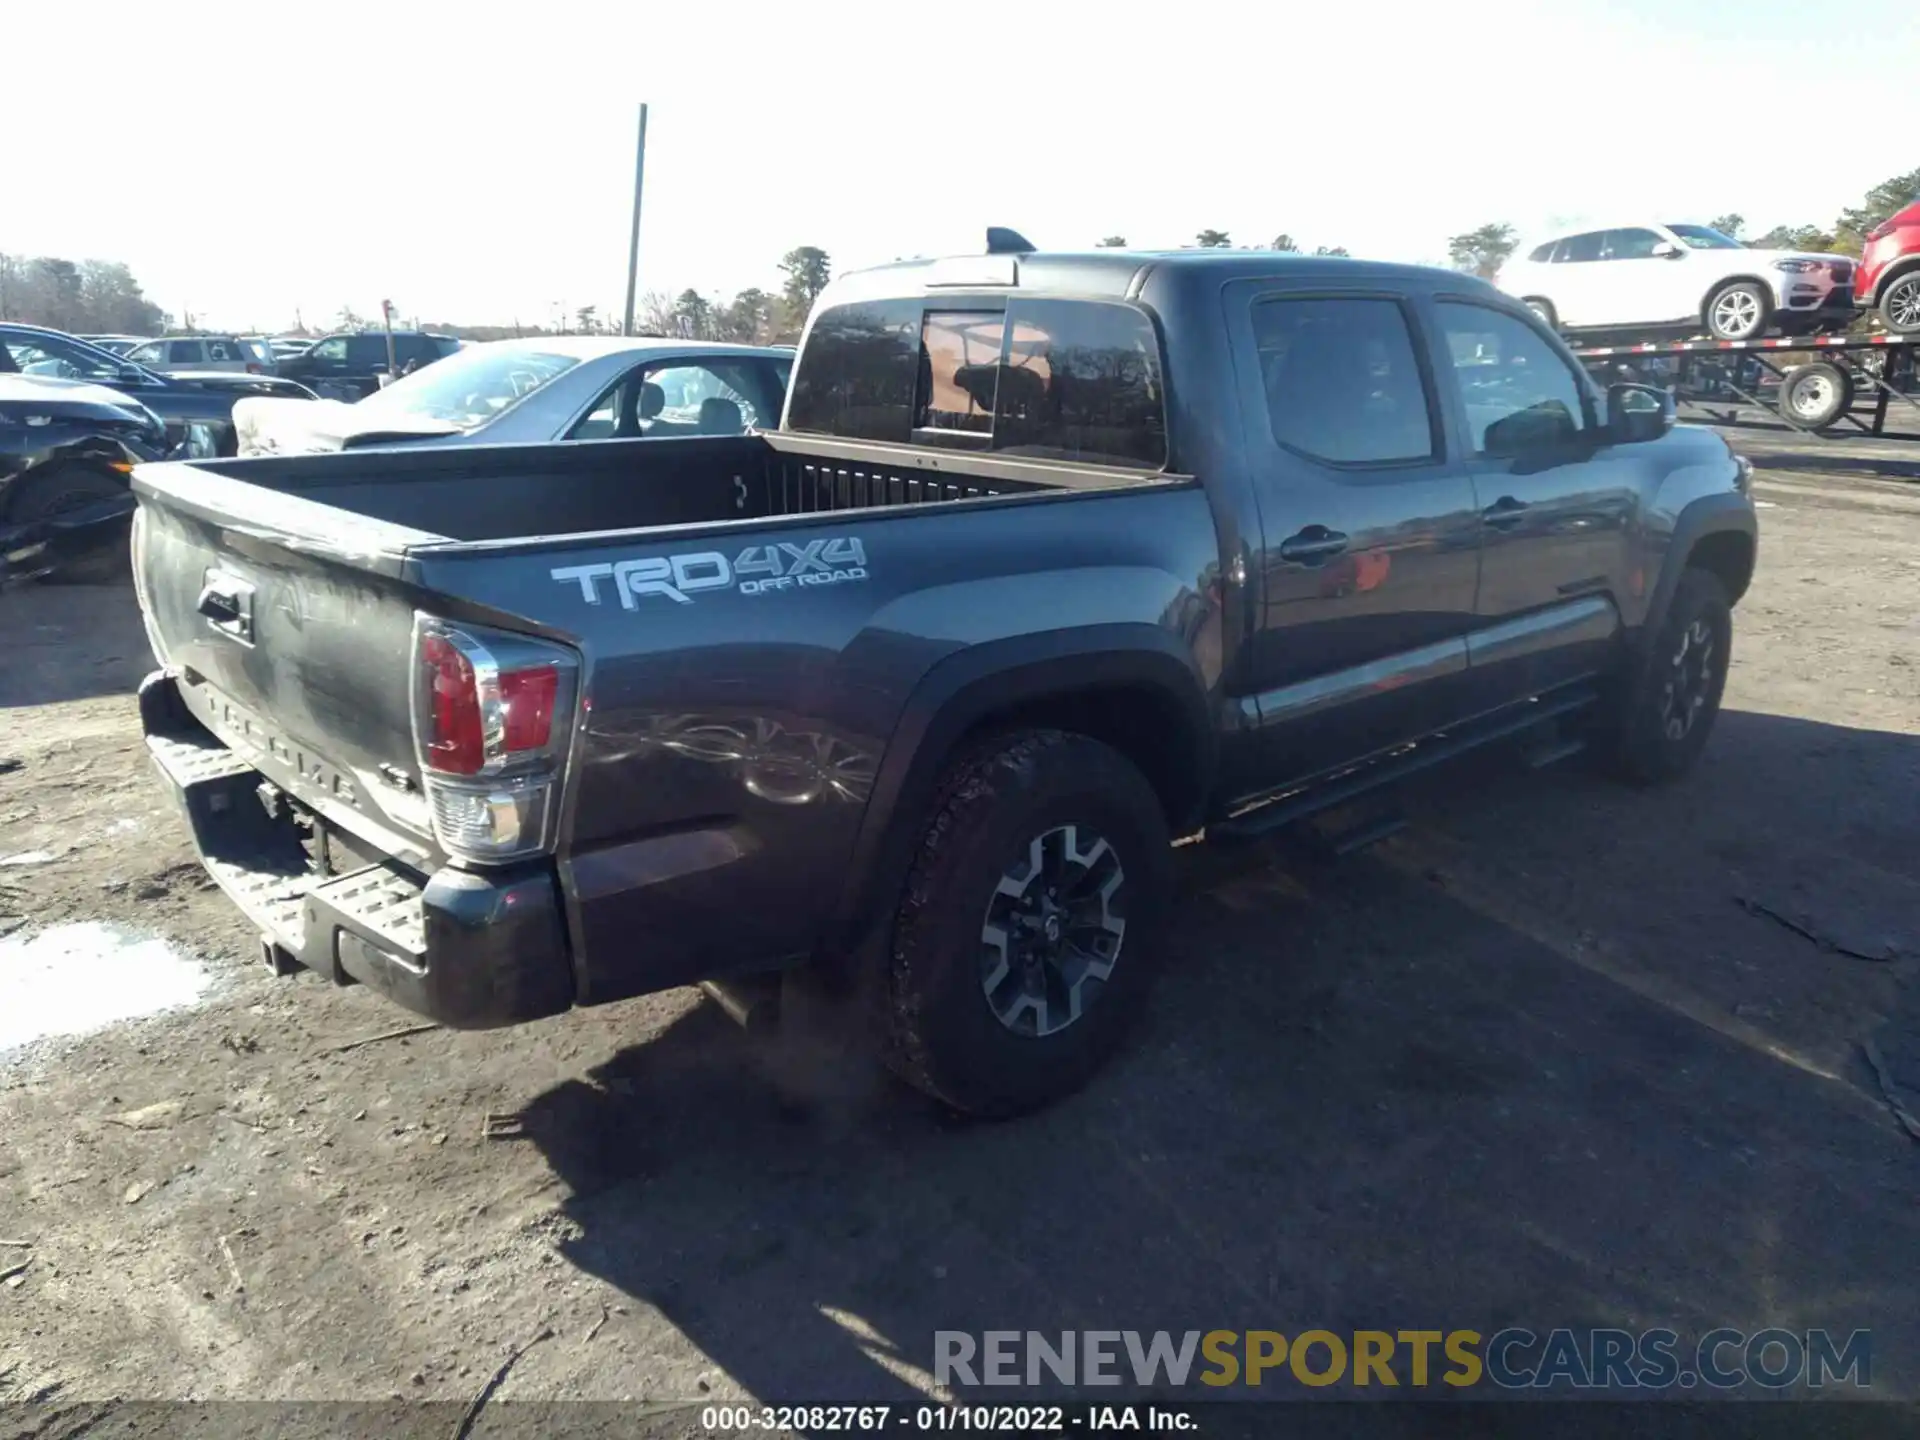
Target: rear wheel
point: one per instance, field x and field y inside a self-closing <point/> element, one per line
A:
<point x="1022" y="947"/>
<point x="66" y="490"/>
<point x="1815" y="395"/>
<point x="1664" y="719"/>
<point x="1738" y="311"/>
<point x="1900" y="305"/>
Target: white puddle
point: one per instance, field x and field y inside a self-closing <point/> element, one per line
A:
<point x="73" y="979"/>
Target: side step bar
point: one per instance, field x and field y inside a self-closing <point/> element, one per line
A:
<point x="1296" y="805"/>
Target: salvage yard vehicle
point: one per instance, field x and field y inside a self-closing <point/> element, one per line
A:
<point x="566" y="387"/>
<point x="66" y="450"/>
<point x="197" y="408"/>
<point x="1889" y="281"/>
<point x="1045" y="568"/>
<point x="349" y="366"/>
<point x="219" y="353"/>
<point x="1641" y="275"/>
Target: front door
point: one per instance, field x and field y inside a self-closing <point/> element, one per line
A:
<point x="1556" y="499"/>
<point x="1370" y="551"/>
<point x="1639" y="287"/>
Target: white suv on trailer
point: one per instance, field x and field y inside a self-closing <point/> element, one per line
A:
<point x="1648" y="276"/>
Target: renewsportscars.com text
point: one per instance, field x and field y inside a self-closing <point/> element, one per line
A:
<point x="1512" y="1359"/>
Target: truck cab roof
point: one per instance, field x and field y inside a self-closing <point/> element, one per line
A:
<point x="1122" y="274"/>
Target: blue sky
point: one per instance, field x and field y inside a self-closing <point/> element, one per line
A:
<point x="475" y="163"/>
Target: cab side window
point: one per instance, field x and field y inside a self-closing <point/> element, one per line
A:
<point x="1342" y="380"/>
<point x="1520" y="396"/>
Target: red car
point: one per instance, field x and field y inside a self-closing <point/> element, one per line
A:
<point x="1889" y="276"/>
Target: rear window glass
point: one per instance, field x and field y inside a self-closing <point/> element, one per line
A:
<point x="1052" y="379"/>
<point x="962" y="373"/>
<point x="857" y="379"/>
<point x="1082" y="382"/>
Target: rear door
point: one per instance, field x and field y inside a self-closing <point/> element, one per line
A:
<point x="1557" y="500"/>
<point x="1578" y="291"/>
<point x="186" y="355"/>
<point x="366" y="362"/>
<point x="224" y="354"/>
<point x="1370" y="555"/>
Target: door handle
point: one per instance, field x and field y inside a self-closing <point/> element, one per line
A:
<point x="1504" y="513"/>
<point x="1312" y="545"/>
<point x="227" y="604"/>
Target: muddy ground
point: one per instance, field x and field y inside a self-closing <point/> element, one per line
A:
<point x="1531" y="1061"/>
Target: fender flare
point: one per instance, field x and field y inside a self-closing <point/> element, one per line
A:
<point x="971" y="686"/>
<point x="1727" y="513"/>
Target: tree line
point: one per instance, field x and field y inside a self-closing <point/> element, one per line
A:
<point x="91" y="297"/>
<point x="102" y="297"/>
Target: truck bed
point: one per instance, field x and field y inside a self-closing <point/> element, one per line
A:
<point x="410" y="497"/>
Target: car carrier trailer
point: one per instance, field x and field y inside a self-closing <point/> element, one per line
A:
<point x="1814" y="396"/>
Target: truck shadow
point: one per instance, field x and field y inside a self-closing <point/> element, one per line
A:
<point x="1368" y="1095"/>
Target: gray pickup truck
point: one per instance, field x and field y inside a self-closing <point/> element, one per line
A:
<point x="1054" y="560"/>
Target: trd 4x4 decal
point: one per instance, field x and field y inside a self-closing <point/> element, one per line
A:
<point x="756" y="570"/>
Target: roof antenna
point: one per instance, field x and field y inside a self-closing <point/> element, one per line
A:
<point x="1002" y="241"/>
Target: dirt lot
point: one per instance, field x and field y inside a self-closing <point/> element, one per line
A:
<point x="1530" y="1061"/>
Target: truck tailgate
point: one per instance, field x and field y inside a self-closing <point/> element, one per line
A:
<point x="293" y="651"/>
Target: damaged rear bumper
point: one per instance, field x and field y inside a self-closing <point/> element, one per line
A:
<point x="469" y="950"/>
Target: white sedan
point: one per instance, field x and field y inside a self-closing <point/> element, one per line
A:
<point x="1657" y="276"/>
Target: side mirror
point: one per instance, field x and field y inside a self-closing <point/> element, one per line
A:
<point x="1639" y="412"/>
<point x="130" y="375"/>
<point x="1667" y="250"/>
<point x="1536" y="430"/>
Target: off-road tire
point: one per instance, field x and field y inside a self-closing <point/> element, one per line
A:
<point x="941" y="1033"/>
<point x="1637" y="739"/>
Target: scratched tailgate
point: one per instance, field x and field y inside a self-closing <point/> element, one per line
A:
<point x="289" y="626"/>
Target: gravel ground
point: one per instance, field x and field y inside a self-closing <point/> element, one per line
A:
<point x="1547" y="1057"/>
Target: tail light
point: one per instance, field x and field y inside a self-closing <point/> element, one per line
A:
<point x="1881" y="231"/>
<point x="492" y="720"/>
<point x="253" y="368"/>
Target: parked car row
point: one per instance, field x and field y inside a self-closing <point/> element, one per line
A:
<point x="1647" y="274"/>
<point x="574" y="387"/>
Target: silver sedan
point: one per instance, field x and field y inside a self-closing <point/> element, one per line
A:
<point x="569" y="387"/>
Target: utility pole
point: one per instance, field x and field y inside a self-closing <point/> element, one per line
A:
<point x="633" y="242"/>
